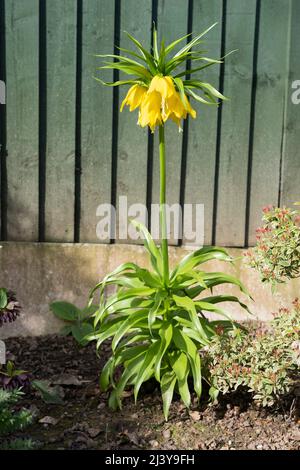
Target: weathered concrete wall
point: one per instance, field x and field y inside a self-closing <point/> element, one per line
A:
<point x="41" y="273"/>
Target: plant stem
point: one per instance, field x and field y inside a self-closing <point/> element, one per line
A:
<point x="162" y="205"/>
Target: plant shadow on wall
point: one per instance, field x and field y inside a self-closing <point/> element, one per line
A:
<point x="156" y="320"/>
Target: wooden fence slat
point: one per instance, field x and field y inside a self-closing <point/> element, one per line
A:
<point x="269" y="108"/>
<point x="172" y="23"/>
<point x="96" y="118"/>
<point x="22" y="119"/>
<point x="235" y="124"/>
<point x="291" y="160"/>
<point x="133" y="140"/>
<point x="61" y="86"/>
<point x="201" y="155"/>
<point x="2" y="111"/>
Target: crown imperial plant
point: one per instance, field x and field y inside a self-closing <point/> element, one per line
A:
<point x="157" y="319"/>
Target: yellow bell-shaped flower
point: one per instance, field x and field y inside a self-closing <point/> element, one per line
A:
<point x="163" y="85"/>
<point x="134" y="97"/>
<point x="150" y="110"/>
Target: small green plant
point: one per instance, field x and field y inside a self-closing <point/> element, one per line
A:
<point x="12" y="421"/>
<point x="264" y="363"/>
<point x="277" y="253"/>
<point x="11" y="377"/>
<point x="9" y="306"/>
<point x="79" y="321"/>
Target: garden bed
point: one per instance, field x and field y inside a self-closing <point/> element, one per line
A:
<point x="84" y="421"/>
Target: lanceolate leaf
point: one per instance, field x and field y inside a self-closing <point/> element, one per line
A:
<point x="185" y="344"/>
<point x="166" y="334"/>
<point x="168" y="382"/>
<point x="146" y="367"/>
<point x="180" y="365"/>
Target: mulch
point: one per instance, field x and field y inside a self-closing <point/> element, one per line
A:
<point x="84" y="420"/>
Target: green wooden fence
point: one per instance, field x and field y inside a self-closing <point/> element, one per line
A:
<point x="65" y="148"/>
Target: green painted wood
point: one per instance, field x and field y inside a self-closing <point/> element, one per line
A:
<point x="172" y="23"/>
<point x="291" y="160"/>
<point x="201" y="155"/>
<point x="22" y="119"/>
<point x="60" y="158"/>
<point x="96" y="118"/>
<point x="276" y="133"/>
<point x="235" y="124"/>
<point x="133" y="140"/>
<point x="269" y="108"/>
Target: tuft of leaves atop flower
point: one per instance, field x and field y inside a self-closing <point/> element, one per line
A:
<point x="157" y="328"/>
<point x="276" y="255"/>
<point x="159" y="87"/>
<point x="264" y="363"/>
<point x="9" y="306"/>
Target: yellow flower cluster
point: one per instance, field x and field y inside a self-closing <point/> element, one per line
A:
<point x="158" y="103"/>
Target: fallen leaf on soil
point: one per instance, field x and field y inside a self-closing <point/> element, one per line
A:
<point x="195" y="415"/>
<point x="48" y="420"/>
<point x="66" y="379"/>
<point x="132" y="437"/>
<point x="94" y="432"/>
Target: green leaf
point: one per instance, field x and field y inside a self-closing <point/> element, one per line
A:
<point x="106" y="374"/>
<point x="155" y="47"/>
<point x="146" y="367"/>
<point x="65" y="311"/>
<point x="155" y="254"/>
<point x="148" y="57"/>
<point x="215" y="278"/>
<point x="120" y="59"/>
<point x="132" y="368"/>
<point x="173" y="44"/>
<point x="194" y="41"/>
<point x="209" y="63"/>
<point x="180" y="87"/>
<point x="213" y="393"/>
<point x="106" y="332"/>
<point x="128" y="324"/>
<point x="180" y="365"/>
<point x="167" y="385"/>
<point x="207" y="87"/>
<point x="185" y="344"/>
<point x="89" y="311"/>
<point x="214" y="299"/>
<point x="166" y="334"/>
<point x="3" y="298"/>
<point x="118" y="82"/>
<point x="189" y="305"/>
<point x="81" y="331"/>
<point x="198" y="98"/>
<point x="49" y="395"/>
<point x="198" y="257"/>
<point x="66" y="330"/>
<point x="159" y="297"/>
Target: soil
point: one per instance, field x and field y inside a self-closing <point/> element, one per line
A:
<point x="84" y="420"/>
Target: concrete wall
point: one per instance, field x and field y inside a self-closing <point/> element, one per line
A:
<point x="41" y="273"/>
